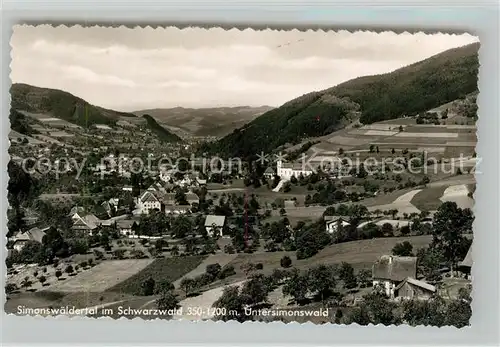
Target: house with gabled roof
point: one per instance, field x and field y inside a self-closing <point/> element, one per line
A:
<point x="411" y="288"/>
<point x="127" y="226"/>
<point x="192" y="198"/>
<point x="21" y="238"/>
<point x="465" y="265"/>
<point x="148" y="201"/>
<point x="269" y="173"/>
<point x="215" y="224"/>
<point x="77" y="212"/>
<point x="87" y="224"/>
<point x="389" y="271"/>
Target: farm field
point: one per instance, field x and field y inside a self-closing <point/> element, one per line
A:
<point x="220" y="258"/>
<point x="438" y="139"/>
<point x="102" y="276"/>
<point x="160" y="269"/>
<point x="204" y="302"/>
<point x="360" y="254"/>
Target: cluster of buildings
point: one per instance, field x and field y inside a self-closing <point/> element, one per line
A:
<point x="396" y="276"/>
<point x="288" y="170"/>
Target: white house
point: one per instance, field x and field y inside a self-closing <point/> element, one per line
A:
<point x="288" y="170"/>
<point x="201" y="182"/>
<point x="269" y="173"/>
<point x="333" y="224"/>
<point x="125" y="226"/>
<point x="213" y="223"/>
<point x="127" y="188"/>
<point x="389" y="271"/>
<point x="148" y="202"/>
<point x="177" y="209"/>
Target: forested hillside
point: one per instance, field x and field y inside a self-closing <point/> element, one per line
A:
<point x="162" y="133"/>
<point x="407" y="91"/>
<point x="62" y="105"/>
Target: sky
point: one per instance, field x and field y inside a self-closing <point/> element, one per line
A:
<point x="133" y="69"/>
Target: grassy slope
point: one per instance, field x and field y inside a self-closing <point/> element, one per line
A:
<point x="418" y="87"/>
<point x="61" y="104"/>
<point x="360" y="254"/>
<point x="162" y="133"/>
<point x="161" y="269"/>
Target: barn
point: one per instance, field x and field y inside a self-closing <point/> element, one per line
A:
<point x="411" y="288"/>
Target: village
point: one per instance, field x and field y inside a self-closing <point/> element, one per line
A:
<point x="213" y="216"/>
<point x="221" y="187"/>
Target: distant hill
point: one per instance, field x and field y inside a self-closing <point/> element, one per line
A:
<point x="62" y="105"/>
<point x="162" y="133"/>
<point x="218" y="121"/>
<point x="418" y="87"/>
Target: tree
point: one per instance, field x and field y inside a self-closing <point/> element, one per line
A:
<point x="119" y="253"/>
<point x="58" y="274"/>
<point x="181" y="227"/>
<point x="54" y="245"/>
<point x="330" y="211"/>
<point x="405" y="230"/>
<point x="387" y="229"/>
<point x="255" y="290"/>
<point x="213" y="270"/>
<point x="187" y="284"/>
<point x="428" y="312"/>
<point x="148" y="286"/>
<point x="380" y="310"/>
<point x="232" y="303"/>
<point x="69" y="270"/>
<point x="247" y="268"/>
<point x="42" y="279"/>
<point x="180" y="197"/>
<point x="98" y="254"/>
<point x="296" y="286"/>
<point x="286" y="262"/>
<point x="10" y="288"/>
<point x="346" y="274"/>
<point x="364" y="278"/>
<point x="164" y="286"/>
<point x="450" y="222"/>
<point x="26" y="283"/>
<point x="174" y="251"/>
<point x="321" y="281"/>
<point x="167" y="301"/>
<point x="403" y="249"/>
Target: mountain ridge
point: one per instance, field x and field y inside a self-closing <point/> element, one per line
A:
<point x="409" y="90"/>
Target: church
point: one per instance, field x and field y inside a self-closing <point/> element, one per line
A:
<point x="287" y="170"/>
